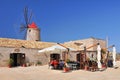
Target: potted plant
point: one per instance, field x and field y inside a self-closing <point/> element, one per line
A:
<point x="86" y="65"/>
<point x="65" y="68"/>
<point x="24" y="64"/>
<point x="10" y="62"/>
<point x="68" y="61"/>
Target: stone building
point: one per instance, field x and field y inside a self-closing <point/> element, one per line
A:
<point x="21" y="51"/>
<point x="26" y="51"/>
<point x="33" y="32"/>
<point x="89" y="43"/>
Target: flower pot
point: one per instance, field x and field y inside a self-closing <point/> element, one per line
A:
<point x="24" y="65"/>
<point x="86" y="68"/>
<point x="103" y="66"/>
<point x="10" y="62"/>
<point x="9" y="66"/>
<point x="65" y="69"/>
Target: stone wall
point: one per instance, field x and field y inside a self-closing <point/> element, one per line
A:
<point x="30" y="54"/>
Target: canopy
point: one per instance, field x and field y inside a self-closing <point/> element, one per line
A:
<point x="114" y="56"/>
<point x="54" y="48"/>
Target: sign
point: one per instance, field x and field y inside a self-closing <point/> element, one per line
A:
<point x="17" y="50"/>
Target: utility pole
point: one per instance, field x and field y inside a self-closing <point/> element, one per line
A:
<point x="107" y="41"/>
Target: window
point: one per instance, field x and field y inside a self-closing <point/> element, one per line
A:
<point x="29" y="30"/>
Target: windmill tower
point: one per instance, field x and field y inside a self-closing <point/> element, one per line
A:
<point x="32" y="32"/>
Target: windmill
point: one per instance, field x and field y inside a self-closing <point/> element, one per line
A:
<point x="32" y="32"/>
<point x="24" y="27"/>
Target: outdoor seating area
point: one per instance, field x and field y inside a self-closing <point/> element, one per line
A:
<point x="73" y="65"/>
<point x="85" y="60"/>
<point x="89" y="65"/>
<point x="59" y="65"/>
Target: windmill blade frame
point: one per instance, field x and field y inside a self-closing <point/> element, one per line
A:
<point x="26" y="16"/>
<point x="30" y="17"/>
<point x="22" y="27"/>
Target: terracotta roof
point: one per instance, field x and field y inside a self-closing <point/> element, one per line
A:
<point x="6" y="42"/>
<point x="80" y="44"/>
<point x="32" y="25"/>
<point x="72" y="45"/>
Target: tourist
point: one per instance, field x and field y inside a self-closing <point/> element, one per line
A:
<point x="55" y="64"/>
<point x="61" y="64"/>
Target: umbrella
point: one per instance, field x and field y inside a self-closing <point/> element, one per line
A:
<point x="99" y="56"/>
<point x="114" y="56"/>
<point x="56" y="48"/>
<point x="53" y="48"/>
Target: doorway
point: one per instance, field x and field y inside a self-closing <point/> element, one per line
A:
<point x="81" y="58"/>
<point x="78" y="57"/>
<point x="55" y="56"/>
<point x="18" y="59"/>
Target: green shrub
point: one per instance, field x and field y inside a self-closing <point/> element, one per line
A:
<point x="39" y="63"/>
<point x="10" y="62"/>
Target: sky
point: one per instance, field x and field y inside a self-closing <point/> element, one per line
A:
<point x="63" y="20"/>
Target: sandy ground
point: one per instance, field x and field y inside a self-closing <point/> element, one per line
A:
<point x="43" y="73"/>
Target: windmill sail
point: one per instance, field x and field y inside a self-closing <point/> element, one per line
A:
<point x="24" y="27"/>
<point x="30" y="29"/>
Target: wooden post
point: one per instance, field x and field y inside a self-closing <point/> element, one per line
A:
<point x="67" y="54"/>
<point x="85" y="52"/>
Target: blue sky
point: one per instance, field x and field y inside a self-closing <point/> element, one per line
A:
<point x="64" y="20"/>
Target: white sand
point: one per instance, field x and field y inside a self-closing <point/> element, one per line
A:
<point x="43" y="73"/>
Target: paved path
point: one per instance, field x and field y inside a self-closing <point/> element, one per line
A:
<point x="43" y="73"/>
